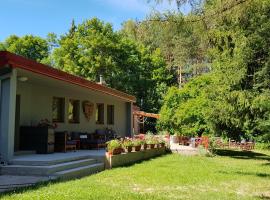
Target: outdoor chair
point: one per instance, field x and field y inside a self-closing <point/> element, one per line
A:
<point x="63" y="142"/>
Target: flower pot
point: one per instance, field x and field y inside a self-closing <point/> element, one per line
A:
<point x="129" y="149"/>
<point x="151" y="146"/>
<point x="117" y="151"/>
<point x="145" y="146"/>
<point x="161" y="145"/>
<point x="137" y="148"/>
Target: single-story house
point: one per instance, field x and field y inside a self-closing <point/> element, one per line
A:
<point x="31" y="92"/>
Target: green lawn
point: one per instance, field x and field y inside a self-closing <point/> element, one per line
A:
<point x="230" y="175"/>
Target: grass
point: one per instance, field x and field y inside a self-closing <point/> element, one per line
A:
<point x="229" y="175"/>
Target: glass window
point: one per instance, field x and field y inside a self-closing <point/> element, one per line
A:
<point x="58" y="109"/>
<point x="100" y="113"/>
<point x="74" y="111"/>
<point x="110" y="114"/>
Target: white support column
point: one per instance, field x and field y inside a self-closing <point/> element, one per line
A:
<point x="8" y="89"/>
<point x="129" y="119"/>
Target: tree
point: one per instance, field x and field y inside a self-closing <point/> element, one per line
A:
<point x="29" y="46"/>
<point x="88" y="50"/>
<point x="239" y="49"/>
<point x="184" y="110"/>
<point x="183" y="45"/>
<point x="236" y="101"/>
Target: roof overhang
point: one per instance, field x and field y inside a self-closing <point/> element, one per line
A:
<point x="11" y="60"/>
<point x="145" y="114"/>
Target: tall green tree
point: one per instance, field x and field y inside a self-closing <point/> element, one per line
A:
<point x="29" y="46"/>
<point x="236" y="101"/>
<point x="240" y="53"/>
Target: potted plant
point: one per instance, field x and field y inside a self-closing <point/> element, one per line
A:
<point x="161" y="143"/>
<point x="156" y="142"/>
<point x="127" y="143"/>
<point x="150" y="143"/>
<point x="137" y="143"/>
<point x="144" y="145"/>
<point x="114" y="147"/>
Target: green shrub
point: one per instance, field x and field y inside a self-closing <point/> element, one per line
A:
<point x="113" y="144"/>
<point x="262" y="146"/>
<point x="127" y="143"/>
<point x="137" y="142"/>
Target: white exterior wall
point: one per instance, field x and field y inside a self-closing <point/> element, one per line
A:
<point x="36" y="104"/>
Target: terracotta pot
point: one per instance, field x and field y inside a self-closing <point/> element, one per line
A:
<point x="151" y="146"/>
<point x="145" y="146"/>
<point x="117" y="151"/>
<point x="137" y="148"/>
<point x="129" y="149"/>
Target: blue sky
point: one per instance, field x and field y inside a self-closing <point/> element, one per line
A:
<point x="39" y="17"/>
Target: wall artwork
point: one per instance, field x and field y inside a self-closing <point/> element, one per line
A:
<point x="88" y="108"/>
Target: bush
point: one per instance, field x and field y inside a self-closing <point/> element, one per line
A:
<point x="137" y="142"/>
<point x="127" y="143"/>
<point x="113" y="144"/>
<point x="262" y="146"/>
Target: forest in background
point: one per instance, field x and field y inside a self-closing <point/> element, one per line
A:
<point x="207" y="71"/>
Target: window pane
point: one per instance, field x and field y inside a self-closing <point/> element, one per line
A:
<point x="74" y="111"/>
<point x="100" y="114"/>
<point x="110" y="114"/>
<point x="58" y="108"/>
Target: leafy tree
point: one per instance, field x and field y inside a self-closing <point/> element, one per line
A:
<point x="87" y="50"/>
<point x="236" y="103"/>
<point x="182" y="44"/>
<point x="239" y="50"/>
<point x="184" y="110"/>
<point x="29" y="46"/>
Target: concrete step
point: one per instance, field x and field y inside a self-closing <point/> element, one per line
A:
<point x="19" y="153"/>
<point x="45" y="170"/>
<point x="50" y="161"/>
<point x="80" y="171"/>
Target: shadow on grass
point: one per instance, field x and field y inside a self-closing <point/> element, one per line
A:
<point x="243" y="154"/>
<point x="259" y="174"/>
<point x="30" y="188"/>
<point x="264" y="197"/>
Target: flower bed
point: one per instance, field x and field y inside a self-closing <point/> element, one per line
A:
<point x="131" y="150"/>
<point x="122" y="159"/>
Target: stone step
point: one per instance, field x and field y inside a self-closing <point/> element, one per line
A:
<point x="45" y="170"/>
<point x="80" y="171"/>
<point x="50" y="161"/>
<point x="19" y="153"/>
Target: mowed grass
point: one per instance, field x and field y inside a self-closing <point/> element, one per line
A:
<point x="229" y="175"/>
